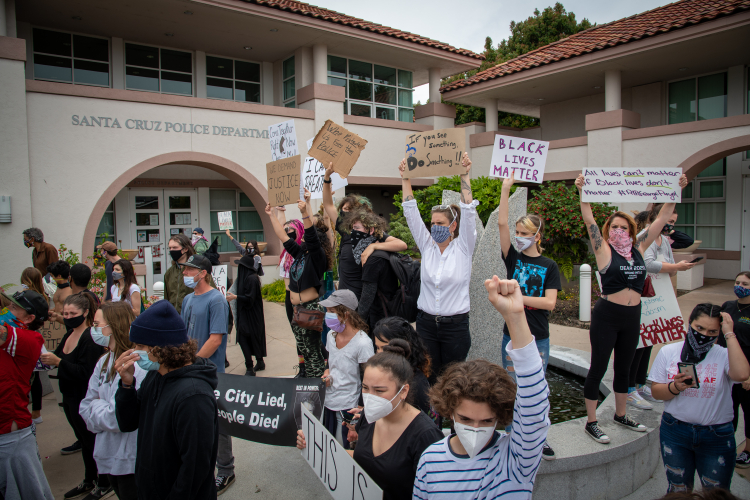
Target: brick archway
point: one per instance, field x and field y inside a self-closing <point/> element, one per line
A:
<point x="697" y="162"/>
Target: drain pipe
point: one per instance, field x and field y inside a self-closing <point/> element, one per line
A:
<point x="584" y="285"/>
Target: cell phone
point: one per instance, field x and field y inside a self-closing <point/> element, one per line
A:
<point x="689" y="368"/>
<point x="696" y="260"/>
<point x="347" y="416"/>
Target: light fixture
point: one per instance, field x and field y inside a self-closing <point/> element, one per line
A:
<point x="150" y="56"/>
<point x="598" y="87"/>
<point x="77" y="18"/>
<point x="168" y="34"/>
<point x="220" y="67"/>
<point x="274" y="30"/>
<point x="683" y="69"/>
<point x="6" y="215"/>
<point x="540" y="99"/>
<point x="385" y="194"/>
<point x="247" y="47"/>
<point x="188" y="13"/>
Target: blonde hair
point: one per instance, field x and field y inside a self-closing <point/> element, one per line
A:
<point x="533" y="224"/>
<point x="632" y="226"/>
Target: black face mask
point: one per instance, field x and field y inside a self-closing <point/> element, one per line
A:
<point x="176" y="254"/>
<point x="292" y="235"/>
<point x="667" y="228"/>
<point x="72" y="323"/>
<point x="356" y="236"/>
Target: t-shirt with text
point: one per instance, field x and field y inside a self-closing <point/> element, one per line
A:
<point x="206" y="314"/>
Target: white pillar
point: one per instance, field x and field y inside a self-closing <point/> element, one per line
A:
<point x="612" y="90"/>
<point x="490" y="112"/>
<point x="320" y="63"/>
<point x="584" y="280"/>
<point x="435" y="85"/>
<point x="3" y="27"/>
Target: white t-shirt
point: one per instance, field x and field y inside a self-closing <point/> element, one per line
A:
<point x="116" y="294"/>
<point x="343" y="366"/>
<point x="711" y="404"/>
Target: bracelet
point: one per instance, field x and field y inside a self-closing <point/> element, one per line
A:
<point x="327" y="181"/>
<point x="303" y="218"/>
<point x="670" y="390"/>
<point x="730" y="335"/>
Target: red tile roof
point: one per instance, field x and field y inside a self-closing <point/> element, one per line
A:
<point x="305" y="9"/>
<point x="653" y="22"/>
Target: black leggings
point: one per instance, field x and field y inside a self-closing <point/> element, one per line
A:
<point x="741" y="397"/>
<point x="612" y="327"/>
<point x="289" y="315"/>
<point x="87" y="440"/>
<point x="639" y="367"/>
<point x="124" y="486"/>
<point x="36" y="392"/>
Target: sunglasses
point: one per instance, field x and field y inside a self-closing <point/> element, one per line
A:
<point x="445" y="207"/>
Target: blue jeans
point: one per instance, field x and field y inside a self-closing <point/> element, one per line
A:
<point x="542" y="345"/>
<point x="685" y="448"/>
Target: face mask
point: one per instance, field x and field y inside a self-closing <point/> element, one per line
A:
<point x="524" y="242"/>
<point x="175" y="254"/>
<point x="292" y="235"/>
<point x="28" y="243"/>
<point x="72" y="323"/>
<point x="8" y="317"/>
<point x="741" y="292"/>
<point x="24" y="286"/>
<point x="332" y="321"/>
<point x="667" y="228"/>
<point x="98" y="337"/>
<point x="117" y="276"/>
<point x="377" y="407"/>
<point x="189" y="281"/>
<point x="195" y="239"/>
<point x="702" y="340"/>
<point x="356" y="236"/>
<point x="621" y="242"/>
<point x="250" y="250"/>
<point x="145" y="363"/>
<point x="473" y="439"/>
<point x="440" y="233"/>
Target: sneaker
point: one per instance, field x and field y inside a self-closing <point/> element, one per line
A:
<point x="79" y="490"/>
<point x="636" y="401"/>
<point x="547" y="452"/>
<point x="222" y="483"/>
<point x="260" y="365"/>
<point x="645" y="393"/>
<point x="595" y="433"/>
<point x="631" y="424"/>
<point x="250" y="372"/>
<point x="73" y="448"/>
<point x="743" y="460"/>
<point x="99" y="493"/>
<point x="37" y="420"/>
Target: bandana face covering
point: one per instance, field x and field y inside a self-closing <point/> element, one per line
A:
<point x="621" y="242"/>
<point x="356" y="236"/>
<point x="696" y="346"/>
<point x="741" y="292"/>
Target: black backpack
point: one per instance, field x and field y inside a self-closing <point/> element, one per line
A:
<point x="408" y="272"/>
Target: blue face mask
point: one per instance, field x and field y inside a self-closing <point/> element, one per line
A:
<point x="189" y="281"/>
<point x="741" y="292"/>
<point x="8" y="317"/>
<point x="440" y="233"/>
<point x="98" y="337"/>
<point x="145" y="363"/>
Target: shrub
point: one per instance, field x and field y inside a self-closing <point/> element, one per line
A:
<point x="274" y="292"/>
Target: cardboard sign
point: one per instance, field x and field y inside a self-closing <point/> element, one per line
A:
<point x="524" y="158"/>
<point x="435" y="153"/>
<point x="661" y="319"/>
<point x="340" y="474"/>
<point x="53" y="332"/>
<point x="219" y="275"/>
<point x="283" y="181"/>
<point x="648" y="185"/>
<point x="313" y="174"/>
<point x="264" y="409"/>
<point x="225" y="220"/>
<point x="333" y="143"/>
<point x="283" y="140"/>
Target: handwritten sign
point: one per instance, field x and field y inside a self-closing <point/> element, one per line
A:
<point x="283" y="140"/>
<point x="340" y="474"/>
<point x="435" y="153"/>
<point x="524" y="158"/>
<point x="661" y="319"/>
<point x="219" y="275"/>
<point x="53" y="332"/>
<point x="225" y="220"/>
<point x="650" y="185"/>
<point x="335" y="144"/>
<point x="313" y="174"/>
<point x="283" y="181"/>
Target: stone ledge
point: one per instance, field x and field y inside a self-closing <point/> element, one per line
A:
<point x="12" y="48"/>
<point x="610" y="119"/>
<point x="321" y="91"/>
<point x="435" y="109"/>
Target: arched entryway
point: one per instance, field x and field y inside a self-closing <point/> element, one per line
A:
<point x="248" y="183"/>
<point x="698" y="161"/>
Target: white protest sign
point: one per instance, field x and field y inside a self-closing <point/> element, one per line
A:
<point x="661" y="319"/>
<point x="650" y="185"/>
<point x="340" y="474"/>
<point x="313" y="173"/>
<point x="283" y="140"/>
<point x="225" y="221"/>
<point x="219" y="275"/>
<point x="525" y="158"/>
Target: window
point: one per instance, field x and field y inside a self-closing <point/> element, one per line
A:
<point x="106" y="229"/>
<point x="64" y="57"/>
<point x="232" y="80"/>
<point x="158" y="70"/>
<point x="372" y="90"/>
<point x="289" y="92"/>
<point x="702" y="212"/>
<point x="247" y="222"/>
<point x="709" y="92"/>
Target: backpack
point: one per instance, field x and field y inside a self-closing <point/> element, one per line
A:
<point x="408" y="272"/>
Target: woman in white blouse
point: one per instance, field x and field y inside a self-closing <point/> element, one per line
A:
<point x="447" y="248"/>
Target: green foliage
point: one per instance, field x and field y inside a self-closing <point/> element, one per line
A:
<point x="399" y="229"/>
<point x="565" y="237"/>
<point x="68" y="255"/>
<point x="274" y="292"/>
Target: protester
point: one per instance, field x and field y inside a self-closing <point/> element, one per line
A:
<point x="43" y="254"/>
<point x="305" y="275"/>
<point x="349" y="348"/>
<point x="75" y="358"/>
<point x="477" y="461"/>
<point x="174" y="410"/>
<point x="199" y="241"/>
<point x="31" y="279"/>
<point x="126" y="287"/>
<point x="696" y="430"/>
<point x="114" y="451"/>
<point x="659" y="259"/>
<point x="21" y="473"/>
<point x="80" y="277"/>
<point x="109" y="254"/>
<point x="616" y="318"/>
<point x="60" y="272"/>
<point x="739" y="311"/>
<point x="323" y="223"/>
<point x="251" y="322"/>
<point x="538" y="276"/>
<point x="447" y="249"/>
<point x="175" y="290"/>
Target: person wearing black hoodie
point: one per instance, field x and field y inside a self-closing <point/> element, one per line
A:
<point x="251" y="323"/>
<point x="174" y="410"/>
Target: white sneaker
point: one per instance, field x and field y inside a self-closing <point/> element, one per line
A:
<point x="645" y="393"/>
<point x="38" y="420"/>
<point x="636" y="401"/>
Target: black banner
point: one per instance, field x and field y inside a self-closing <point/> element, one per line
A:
<point x="267" y="410"/>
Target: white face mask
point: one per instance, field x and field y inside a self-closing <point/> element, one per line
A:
<point x="473" y="439"/>
<point x="524" y="242"/>
<point x="377" y="407"/>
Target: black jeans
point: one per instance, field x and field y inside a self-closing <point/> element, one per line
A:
<point x="246" y="344"/>
<point x="446" y="342"/>
<point x="87" y="440"/>
<point x="741" y="397"/>
<point x="639" y="367"/>
<point x="124" y="486"/>
<point x="36" y="392"/>
<point x="613" y="327"/>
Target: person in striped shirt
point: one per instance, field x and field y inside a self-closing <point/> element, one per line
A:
<point x="477" y="461"/>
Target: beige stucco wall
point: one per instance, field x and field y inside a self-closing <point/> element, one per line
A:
<point x="566" y="159"/>
<point x="384" y="151"/>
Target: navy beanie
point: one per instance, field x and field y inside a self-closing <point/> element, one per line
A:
<point x="159" y="325"/>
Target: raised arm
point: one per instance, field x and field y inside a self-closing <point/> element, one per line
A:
<point x="305" y="209"/>
<point x="466" y="180"/>
<point x="328" y="205"/>
<point x="411" y="212"/>
<point x="601" y="249"/>
<point x="406" y="191"/>
<point x="278" y="228"/>
<point x="502" y="215"/>
<point x="654" y="230"/>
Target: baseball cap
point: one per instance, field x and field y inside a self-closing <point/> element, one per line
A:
<point x="198" y="262"/>
<point x="344" y="298"/>
<point x="109" y="246"/>
<point x="31" y="302"/>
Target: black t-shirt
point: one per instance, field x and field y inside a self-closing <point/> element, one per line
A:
<point x="350" y="273"/>
<point x="680" y="240"/>
<point x="309" y="262"/>
<point x="378" y="270"/>
<point x="394" y="471"/>
<point x="741" y="320"/>
<point x="535" y="275"/>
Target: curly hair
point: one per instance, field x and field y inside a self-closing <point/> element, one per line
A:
<point x="173" y="357"/>
<point x="479" y="381"/>
<point x="352" y="317"/>
<point x="395" y="327"/>
<point x="356" y="202"/>
<point x="368" y="219"/>
<point x="35" y="233"/>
